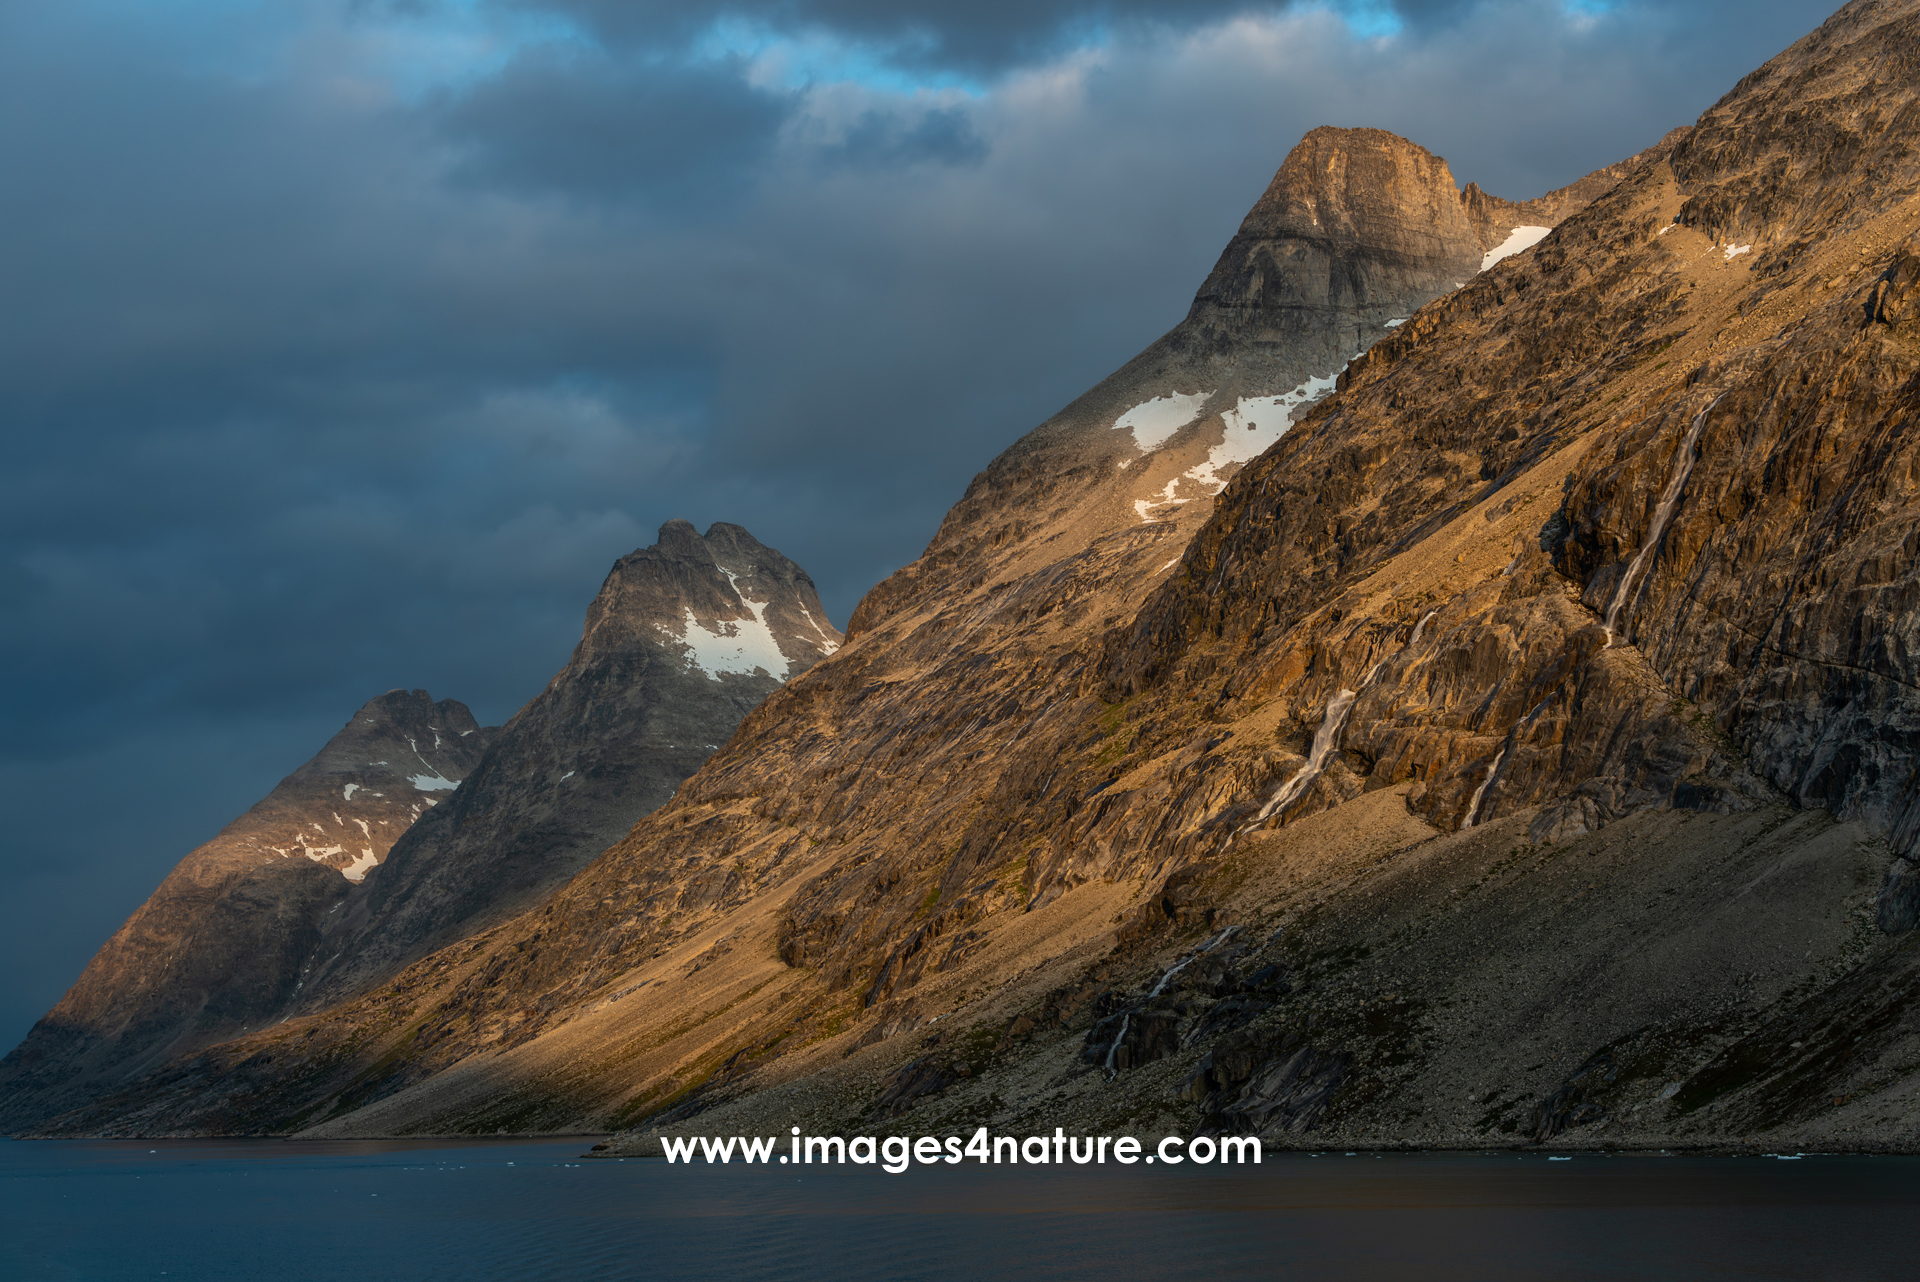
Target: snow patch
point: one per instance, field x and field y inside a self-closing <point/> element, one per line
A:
<point x="1664" y="230"/>
<point x="1152" y="422"/>
<point x="1734" y="251"/>
<point x="357" y="870"/>
<point x="1253" y="425"/>
<point x="336" y="819"/>
<point x="364" y="830"/>
<point x="827" y="644"/>
<point x="1398" y="321"/>
<point x="1519" y="240"/>
<point x="433" y="783"/>
<point x="742" y="646"/>
<point x="566" y="776"/>
<point x="348" y="791"/>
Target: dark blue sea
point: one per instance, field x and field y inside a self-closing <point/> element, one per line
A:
<point x="291" y="1212"/>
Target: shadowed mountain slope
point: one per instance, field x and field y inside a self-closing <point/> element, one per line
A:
<point x="227" y="940"/>
<point x="683" y="640"/>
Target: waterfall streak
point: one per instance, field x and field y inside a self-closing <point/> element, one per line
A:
<point x="1112" y="1066"/>
<point x="1324" y="741"/>
<point x="1327" y="738"/>
<point x="1113" y="1051"/>
<point x="1663" y="513"/>
<point x="1188" y="960"/>
<point x="1473" y="807"/>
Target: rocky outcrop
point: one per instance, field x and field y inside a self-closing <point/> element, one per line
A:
<point x="684" y="639"/>
<point x="1358" y="230"/>
<point x="227" y="942"/>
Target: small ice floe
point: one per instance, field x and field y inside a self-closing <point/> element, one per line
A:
<point x="1519" y="240"/>
<point x="1153" y="422"/>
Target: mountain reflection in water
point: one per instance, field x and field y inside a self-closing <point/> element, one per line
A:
<point x="436" y="1209"/>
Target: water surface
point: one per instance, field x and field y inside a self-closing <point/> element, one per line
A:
<point x="436" y="1210"/>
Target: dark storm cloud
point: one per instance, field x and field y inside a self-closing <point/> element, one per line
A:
<point x="587" y="124"/>
<point x="346" y="347"/>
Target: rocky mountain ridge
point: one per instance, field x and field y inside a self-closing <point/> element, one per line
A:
<point x="684" y="638"/>
<point x="227" y="941"/>
<point x="1518" y="751"/>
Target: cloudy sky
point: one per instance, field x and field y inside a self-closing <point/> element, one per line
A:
<point x="344" y="344"/>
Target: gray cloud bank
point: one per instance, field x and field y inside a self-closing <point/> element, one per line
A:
<point x="347" y="344"/>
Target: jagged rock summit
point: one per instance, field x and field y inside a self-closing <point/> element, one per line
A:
<point x="1357" y="231"/>
<point x="330" y="884"/>
<point x="226" y="941"/>
<point x="684" y="640"/>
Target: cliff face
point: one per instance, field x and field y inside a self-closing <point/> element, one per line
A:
<point x="1358" y="230"/>
<point x="227" y="941"/>
<point x="684" y="639"/>
<point x="1518" y="750"/>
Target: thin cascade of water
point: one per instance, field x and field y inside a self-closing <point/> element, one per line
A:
<point x="1113" y="1051"/>
<point x="1418" y="628"/>
<point x="1327" y="737"/>
<point x="1324" y="740"/>
<point x="1662" y="513"/>
<point x="1112" y="1066"/>
<point x="1189" y="959"/>
<point x="1479" y="794"/>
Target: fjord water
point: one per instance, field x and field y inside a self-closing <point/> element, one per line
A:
<point x="432" y="1210"/>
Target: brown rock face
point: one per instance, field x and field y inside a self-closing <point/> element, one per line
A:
<point x="1359" y="227"/>
<point x="1357" y="231"/>
<point x="1521" y="750"/>
<point x="228" y="939"/>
